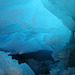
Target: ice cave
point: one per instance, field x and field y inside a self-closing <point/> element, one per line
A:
<point x="37" y="37"/>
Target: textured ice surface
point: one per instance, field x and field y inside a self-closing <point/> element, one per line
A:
<point x="11" y="67"/>
<point x="29" y="27"/>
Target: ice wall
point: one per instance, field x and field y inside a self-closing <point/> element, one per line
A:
<point x="11" y="67"/>
<point x="27" y="26"/>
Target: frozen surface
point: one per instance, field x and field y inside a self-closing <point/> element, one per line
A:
<point x="11" y="67"/>
<point x="32" y="25"/>
<point x="64" y="10"/>
<point x="27" y="26"/>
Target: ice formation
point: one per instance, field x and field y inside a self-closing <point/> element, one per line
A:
<point x="27" y="26"/>
<point x="11" y="67"/>
<point x="64" y="10"/>
<point x="31" y="25"/>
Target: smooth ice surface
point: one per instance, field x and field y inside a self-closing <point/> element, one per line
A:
<point x="27" y="26"/>
<point x="64" y="10"/>
<point x="11" y="67"/>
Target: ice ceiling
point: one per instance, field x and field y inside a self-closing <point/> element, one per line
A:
<point x="63" y="9"/>
<point x="27" y="26"/>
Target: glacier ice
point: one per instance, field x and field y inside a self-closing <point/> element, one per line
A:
<point x="64" y="10"/>
<point x="32" y="25"/>
<point x="11" y="67"/>
<point x="29" y="27"/>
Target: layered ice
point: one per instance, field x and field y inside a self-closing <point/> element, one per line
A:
<point x="27" y="26"/>
<point x="64" y="10"/>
